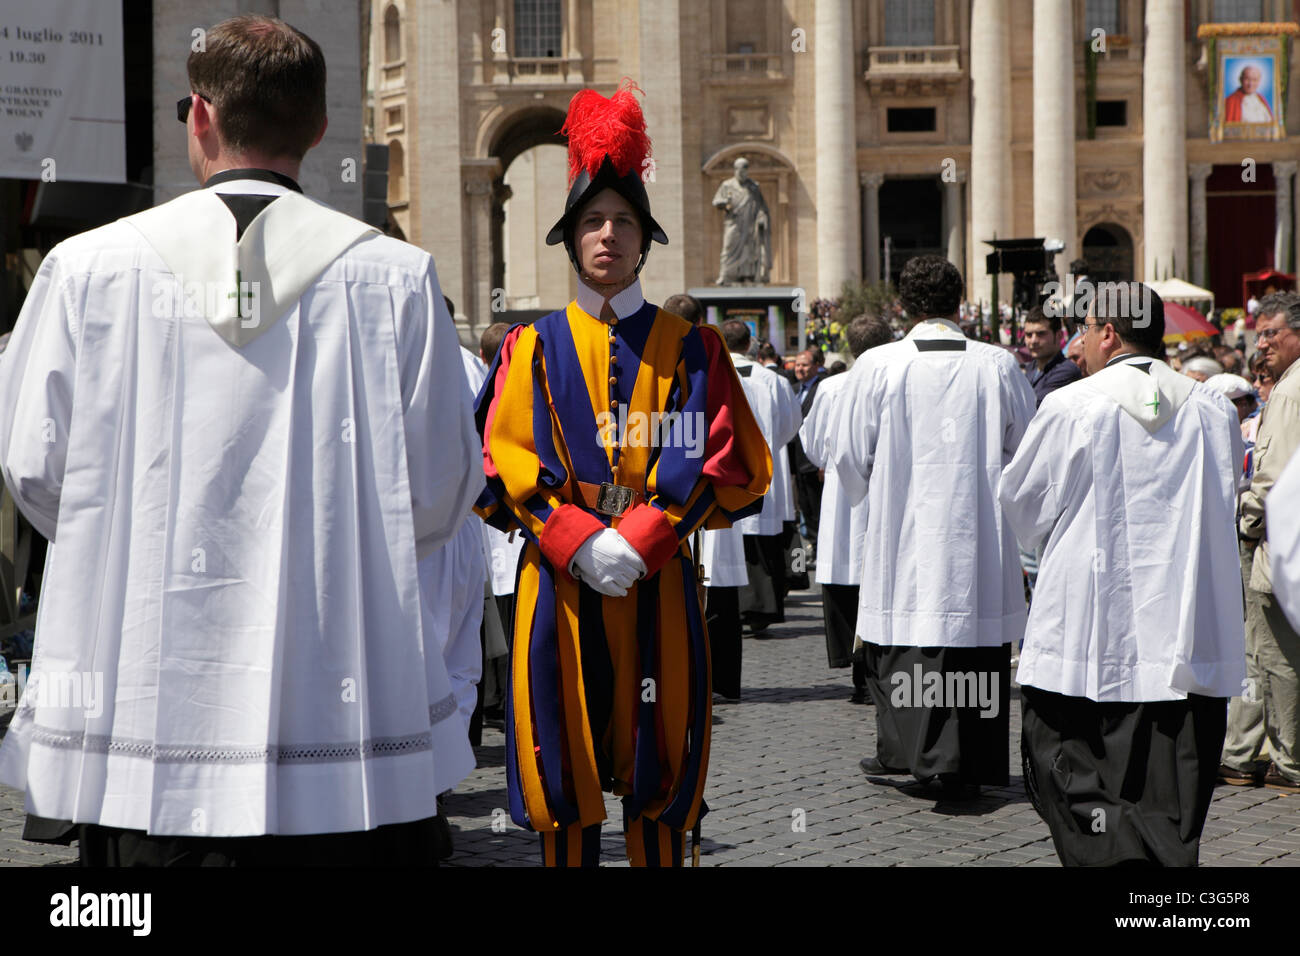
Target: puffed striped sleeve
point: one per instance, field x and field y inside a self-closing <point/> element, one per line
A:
<point x="526" y="467"/>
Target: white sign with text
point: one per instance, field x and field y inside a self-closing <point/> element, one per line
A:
<point x="62" y="104"/>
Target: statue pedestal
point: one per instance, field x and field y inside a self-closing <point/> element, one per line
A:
<point x="774" y="313"/>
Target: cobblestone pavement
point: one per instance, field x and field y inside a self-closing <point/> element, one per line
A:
<point x="785" y="789"/>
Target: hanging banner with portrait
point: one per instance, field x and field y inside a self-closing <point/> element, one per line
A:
<point x="1246" y="66"/>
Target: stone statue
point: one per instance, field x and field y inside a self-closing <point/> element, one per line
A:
<point x="746" y="230"/>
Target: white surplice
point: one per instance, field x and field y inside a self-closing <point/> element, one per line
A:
<point x="776" y="409"/>
<point x="1283" y="522"/>
<point x="452" y="583"/>
<point x="841" y="526"/>
<point x="1127" y="480"/>
<point x="235" y="502"/>
<point x="923" y="428"/>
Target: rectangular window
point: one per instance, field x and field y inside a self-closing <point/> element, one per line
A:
<point x="539" y="27"/>
<point x="1112" y="112"/>
<point x="910" y="119"/>
<point x="393" y="117"/>
<point x="1103" y="14"/>
<point x="909" y="23"/>
<point x="1237" y="11"/>
<point x="747" y="26"/>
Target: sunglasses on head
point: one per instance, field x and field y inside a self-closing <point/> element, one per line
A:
<point x="185" y="102"/>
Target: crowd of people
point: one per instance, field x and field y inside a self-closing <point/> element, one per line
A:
<point x="271" y="628"/>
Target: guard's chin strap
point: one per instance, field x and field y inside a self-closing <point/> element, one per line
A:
<point x="577" y="266"/>
<point x="645" y="254"/>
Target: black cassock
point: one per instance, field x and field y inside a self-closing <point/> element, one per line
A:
<point x="1122" y="783"/>
<point x="956" y="743"/>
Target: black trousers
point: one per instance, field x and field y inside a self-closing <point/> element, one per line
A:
<point x="840" y="613"/>
<point x="1118" y="782"/>
<point x="722" y="617"/>
<point x="765" y="563"/>
<point x="808" y="489"/>
<point x="399" y="844"/>
<point x="966" y="740"/>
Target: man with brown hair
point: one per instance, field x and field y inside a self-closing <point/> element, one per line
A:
<point x="1050" y="369"/>
<point x="239" y="418"/>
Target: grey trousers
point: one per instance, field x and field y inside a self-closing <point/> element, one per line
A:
<point x="1278" y="646"/>
<point x="1244" y="743"/>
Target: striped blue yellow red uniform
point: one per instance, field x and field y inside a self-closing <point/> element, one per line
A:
<point x="612" y="693"/>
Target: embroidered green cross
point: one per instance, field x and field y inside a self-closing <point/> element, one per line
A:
<point x="1154" y="403"/>
<point x="247" y="293"/>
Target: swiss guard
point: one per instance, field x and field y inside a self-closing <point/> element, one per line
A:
<point x="612" y="430"/>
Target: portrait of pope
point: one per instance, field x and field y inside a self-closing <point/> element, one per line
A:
<point x="1249" y="103"/>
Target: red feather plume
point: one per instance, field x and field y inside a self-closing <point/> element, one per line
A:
<point x="597" y="127"/>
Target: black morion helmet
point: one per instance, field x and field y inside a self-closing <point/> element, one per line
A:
<point x="608" y="149"/>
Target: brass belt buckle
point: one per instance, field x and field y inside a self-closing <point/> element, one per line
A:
<point x="613" y="499"/>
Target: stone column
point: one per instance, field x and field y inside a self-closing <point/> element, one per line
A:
<point x="954" y="225"/>
<point x="870" y="183"/>
<point x="479" y="176"/>
<point x="1054" y="183"/>
<point x="1197" y="174"/>
<point x="1282" y="173"/>
<point x="1164" y="142"/>
<point x="433" y="145"/>
<point x="838" y="255"/>
<point x="666" y="90"/>
<point x="990" y="188"/>
<point x="574" y="29"/>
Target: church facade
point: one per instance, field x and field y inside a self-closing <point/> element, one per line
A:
<point x="876" y="130"/>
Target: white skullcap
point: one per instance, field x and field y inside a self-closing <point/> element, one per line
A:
<point x="1231" y="386"/>
<point x="1202" y="364"/>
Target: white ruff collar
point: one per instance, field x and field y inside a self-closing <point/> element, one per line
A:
<point x="624" y="303"/>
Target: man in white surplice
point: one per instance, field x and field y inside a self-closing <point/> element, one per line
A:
<point x="923" y="427"/>
<point x="1127" y="480"/>
<point x="238" y="418"/>
<point x="841" y="527"/>
<point x="776" y="408"/>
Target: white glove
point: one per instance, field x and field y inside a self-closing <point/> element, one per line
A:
<point x="607" y="563"/>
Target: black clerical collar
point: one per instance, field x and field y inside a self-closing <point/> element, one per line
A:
<point x="262" y="175"/>
<point x="1143" y="365"/>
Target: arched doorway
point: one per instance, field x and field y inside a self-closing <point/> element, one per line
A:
<point x="1108" y="250"/>
<point x="524" y="132"/>
<point x="535" y="277"/>
<point x="503" y="136"/>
